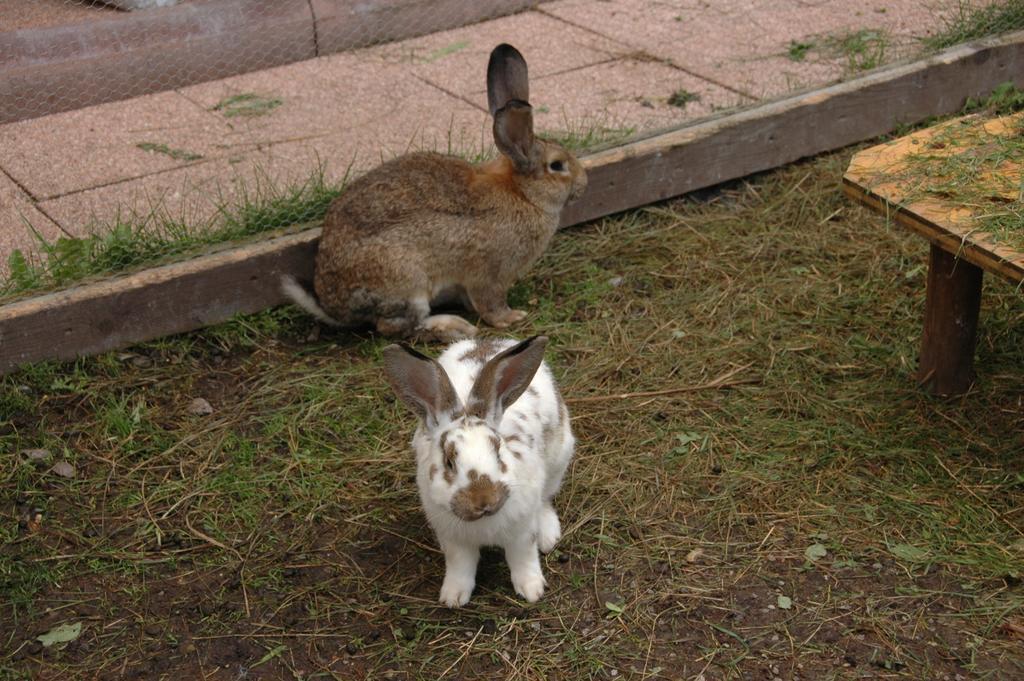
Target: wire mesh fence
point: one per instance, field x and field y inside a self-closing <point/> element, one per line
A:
<point x="138" y="130"/>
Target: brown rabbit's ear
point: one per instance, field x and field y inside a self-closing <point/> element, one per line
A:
<point x="506" y="77"/>
<point x="422" y="384"/>
<point x="513" y="134"/>
<point x="504" y="378"/>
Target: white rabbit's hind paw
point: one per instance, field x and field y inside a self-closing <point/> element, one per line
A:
<point x="530" y="587"/>
<point x="455" y="594"/>
<point x="549" y="530"/>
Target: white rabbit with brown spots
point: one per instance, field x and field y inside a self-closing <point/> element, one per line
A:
<point x="492" y="447"/>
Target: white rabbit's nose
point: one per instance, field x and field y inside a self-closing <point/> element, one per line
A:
<point x="480" y="498"/>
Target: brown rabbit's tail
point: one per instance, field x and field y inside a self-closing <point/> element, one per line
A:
<point x="305" y="299"/>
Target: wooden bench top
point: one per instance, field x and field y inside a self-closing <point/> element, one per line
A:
<point x="946" y="182"/>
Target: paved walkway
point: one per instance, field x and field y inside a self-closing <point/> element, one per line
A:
<point x="626" y="66"/>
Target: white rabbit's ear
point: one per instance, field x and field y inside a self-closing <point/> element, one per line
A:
<point x="507" y="77"/>
<point x="513" y="135"/>
<point x="422" y="384"/>
<point x="504" y="378"/>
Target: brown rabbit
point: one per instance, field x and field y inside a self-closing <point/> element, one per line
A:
<point x="425" y="229"/>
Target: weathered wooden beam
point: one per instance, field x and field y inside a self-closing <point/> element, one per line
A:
<point x="780" y="132"/>
<point x="952" y="303"/>
<point x="180" y="297"/>
<point x="116" y="312"/>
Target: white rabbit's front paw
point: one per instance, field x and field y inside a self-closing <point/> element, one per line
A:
<point x="456" y="592"/>
<point x="549" y="530"/>
<point x="529" y="586"/>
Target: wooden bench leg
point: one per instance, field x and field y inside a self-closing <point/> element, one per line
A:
<point x="952" y="302"/>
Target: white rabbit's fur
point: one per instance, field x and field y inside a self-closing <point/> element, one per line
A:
<point x="535" y="446"/>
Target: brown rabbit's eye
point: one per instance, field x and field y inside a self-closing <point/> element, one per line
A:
<point x="556" y="166"/>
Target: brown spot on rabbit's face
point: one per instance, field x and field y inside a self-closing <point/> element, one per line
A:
<point x="496" y="445"/>
<point x="482" y="497"/>
<point x="449" y="453"/>
<point x="482" y="350"/>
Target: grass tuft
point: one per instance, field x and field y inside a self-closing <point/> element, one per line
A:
<point x="136" y="240"/>
<point x="176" y="154"/>
<point x="581" y="138"/>
<point x="680" y="98"/>
<point x="864" y="49"/>
<point x="973" y="21"/>
<point x="1005" y="99"/>
<point x="247" y="104"/>
<point x="798" y="50"/>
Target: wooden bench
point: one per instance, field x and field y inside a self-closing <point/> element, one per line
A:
<point x="947" y="183"/>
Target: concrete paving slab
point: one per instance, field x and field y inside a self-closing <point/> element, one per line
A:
<point x="355" y="151"/>
<point x="350" y="94"/>
<point x="76" y="150"/>
<point x="625" y="94"/>
<point x="632" y="95"/>
<point x="745" y="44"/>
<point x="190" y="194"/>
<point x="193" y="193"/>
<point x="456" y="60"/>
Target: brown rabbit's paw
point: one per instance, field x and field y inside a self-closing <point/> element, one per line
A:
<point x="445" y="328"/>
<point x="505" y="318"/>
<point x="395" y="327"/>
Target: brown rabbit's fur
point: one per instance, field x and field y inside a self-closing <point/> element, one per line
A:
<point x="426" y="229"/>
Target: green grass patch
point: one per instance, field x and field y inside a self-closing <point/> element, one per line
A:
<point x="863" y="50"/>
<point x="176" y="154"/>
<point x="586" y="138"/>
<point x="445" y="51"/>
<point x="798" y="50"/>
<point x="973" y="21"/>
<point x="1005" y="99"/>
<point x="680" y="98"/>
<point x="132" y="241"/>
<point x="247" y="104"/>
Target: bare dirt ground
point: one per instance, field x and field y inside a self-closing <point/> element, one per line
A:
<point x="817" y="518"/>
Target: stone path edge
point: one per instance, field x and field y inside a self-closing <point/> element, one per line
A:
<point x="184" y="296"/>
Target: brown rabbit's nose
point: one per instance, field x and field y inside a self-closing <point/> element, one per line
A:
<point x="481" y="497"/>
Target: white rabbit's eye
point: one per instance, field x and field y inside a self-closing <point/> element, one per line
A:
<point x="556" y="166"/>
<point x="449" y="456"/>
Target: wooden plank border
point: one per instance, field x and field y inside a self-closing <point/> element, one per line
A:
<point x="184" y="296"/>
<point x="774" y="134"/>
<point x="112" y="313"/>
